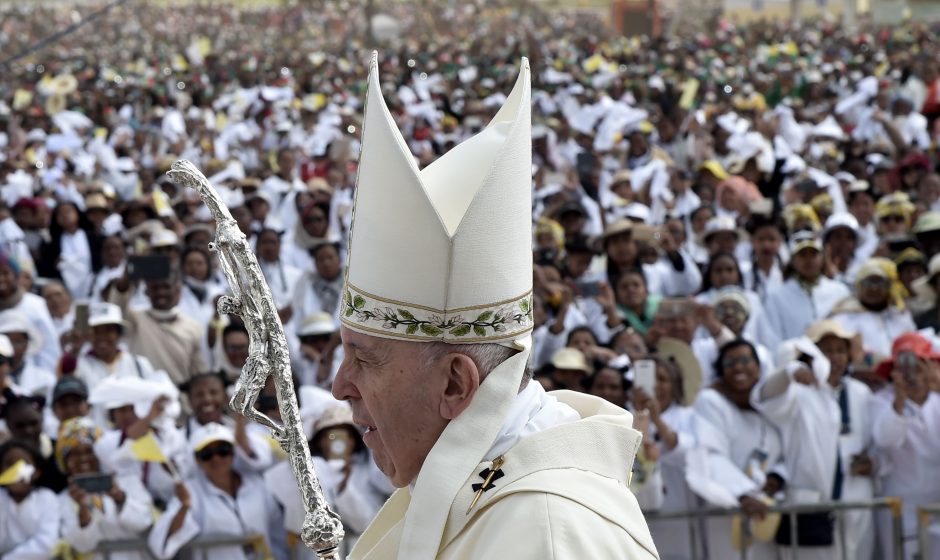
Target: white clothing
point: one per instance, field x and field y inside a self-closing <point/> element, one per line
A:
<point x="877" y="329"/>
<point x="282" y="279"/>
<point x="34" y="308"/>
<point x="113" y="450"/>
<point x="672" y="536"/>
<point x="791" y="309"/>
<point x="739" y="449"/>
<point x="109" y="523"/>
<point x="763" y="283"/>
<point x="908" y="447"/>
<point x="564" y="489"/>
<point x="104" y="277"/>
<point x="29" y="530"/>
<point x="92" y="371"/>
<point x="75" y="263"/>
<point x="213" y="512"/>
<point x="757" y="329"/>
<point x="357" y="504"/>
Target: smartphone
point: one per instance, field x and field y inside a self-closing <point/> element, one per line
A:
<point x="588" y="289"/>
<point x="148" y="267"/>
<point x="644" y="376"/>
<point x="81" y="317"/>
<point x="97" y="483"/>
<point x="907" y="364"/>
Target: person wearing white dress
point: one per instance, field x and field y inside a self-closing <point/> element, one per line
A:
<point x="878" y="314"/>
<point x="797" y="399"/>
<point x="29" y="515"/>
<point x="123" y="512"/>
<point x="766" y="274"/>
<point x="31" y="306"/>
<point x="723" y="272"/>
<point x="806" y="296"/>
<point x="281" y="277"/>
<point x="30" y="378"/>
<point x="855" y="438"/>
<point x="346" y="473"/>
<point x="906" y="431"/>
<point x="107" y="359"/>
<point x="673" y="425"/>
<point x="740" y="450"/>
<point x="217" y="500"/>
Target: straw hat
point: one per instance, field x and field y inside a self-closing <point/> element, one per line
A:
<point x="690" y="370"/>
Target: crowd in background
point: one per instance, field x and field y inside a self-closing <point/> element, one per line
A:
<point x="749" y="215"/>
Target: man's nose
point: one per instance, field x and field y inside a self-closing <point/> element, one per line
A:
<point x="343" y="388"/>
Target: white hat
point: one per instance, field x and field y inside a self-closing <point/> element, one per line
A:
<point x="104" y="313"/>
<point x="459" y="270"/>
<point x="164" y="238"/>
<point x="720" y="224"/>
<point x="840" y="220"/>
<point x="6" y="347"/>
<point x="317" y="324"/>
<point x="570" y="359"/>
<point x="117" y="392"/>
<point x="14" y="321"/>
<point x="804" y="240"/>
<point x="210" y="433"/>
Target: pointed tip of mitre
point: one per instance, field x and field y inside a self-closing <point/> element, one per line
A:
<point x="519" y="99"/>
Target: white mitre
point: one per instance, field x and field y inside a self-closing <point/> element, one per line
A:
<point x="443" y="253"/>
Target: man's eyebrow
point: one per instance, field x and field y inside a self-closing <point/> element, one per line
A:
<point x="369" y="355"/>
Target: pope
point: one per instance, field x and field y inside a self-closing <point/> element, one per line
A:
<point x="436" y="321"/>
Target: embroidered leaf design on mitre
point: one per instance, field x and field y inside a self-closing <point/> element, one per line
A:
<point x="430" y="330"/>
<point x="359" y="302"/>
<point x="462" y="330"/>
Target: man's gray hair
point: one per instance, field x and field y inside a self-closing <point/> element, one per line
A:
<point x="486" y="356"/>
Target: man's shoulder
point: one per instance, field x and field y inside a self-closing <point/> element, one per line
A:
<point x="565" y="510"/>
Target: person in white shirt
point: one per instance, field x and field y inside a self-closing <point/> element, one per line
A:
<point x="878" y="313"/>
<point x="906" y="432"/>
<point x="740" y="450"/>
<point x="855" y="435"/>
<point x="282" y="278"/>
<point x="200" y="289"/>
<point x="218" y="500"/>
<point x="25" y="374"/>
<point x="106" y="357"/>
<point x="113" y="255"/>
<point x="31" y="306"/>
<point x="345" y="470"/>
<point x="59" y="303"/>
<point x="29" y="515"/>
<point x="766" y="270"/>
<point x="798" y="400"/>
<point x="88" y="519"/>
<point x="806" y="295"/>
<point x="673" y="426"/>
<point x="318" y="291"/>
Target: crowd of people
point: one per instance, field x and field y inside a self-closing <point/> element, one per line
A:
<point x="736" y="237"/>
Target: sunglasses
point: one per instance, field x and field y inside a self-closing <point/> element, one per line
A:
<point x="208" y="453"/>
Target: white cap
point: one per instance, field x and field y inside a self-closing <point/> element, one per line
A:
<point x="104" y="313"/>
<point x="317" y="324"/>
<point x="210" y="433"/>
<point x="459" y="269"/>
<point x="720" y="224"/>
<point x="636" y="211"/>
<point x="164" y="238"/>
<point x="117" y="392"/>
<point x="6" y="347"/>
<point x="840" y="220"/>
<point x="14" y="321"/>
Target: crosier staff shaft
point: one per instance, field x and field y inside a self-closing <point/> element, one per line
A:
<point x="268" y="355"/>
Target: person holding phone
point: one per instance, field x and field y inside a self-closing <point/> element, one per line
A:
<point x="906" y="433"/>
<point x="98" y="507"/>
<point x="29" y="513"/>
<point x="673" y="430"/>
<point x="219" y="500"/>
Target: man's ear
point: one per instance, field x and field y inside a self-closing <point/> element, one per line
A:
<point x="463" y="380"/>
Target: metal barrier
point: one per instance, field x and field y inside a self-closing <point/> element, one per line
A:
<point x="200" y="545"/>
<point x="890" y="503"/>
<point x="924" y="513"/>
